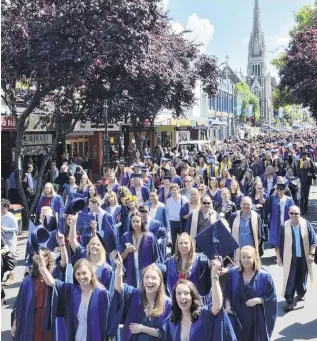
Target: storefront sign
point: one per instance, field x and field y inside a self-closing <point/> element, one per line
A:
<point x="37" y="139"/>
<point x="8" y="123"/>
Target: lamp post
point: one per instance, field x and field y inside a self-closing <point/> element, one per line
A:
<point x="106" y="141"/>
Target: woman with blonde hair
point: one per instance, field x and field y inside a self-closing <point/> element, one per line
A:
<point x="225" y="179"/>
<point x="84" y="185"/>
<point x="94" y="252"/>
<point x="49" y="198"/>
<point x="189" y="207"/>
<point x="269" y="178"/>
<point x="87" y="310"/>
<point x="146" y="310"/>
<point x="215" y="192"/>
<point x="130" y="203"/>
<point x="187" y="264"/>
<point x="235" y="193"/>
<point x="251" y="296"/>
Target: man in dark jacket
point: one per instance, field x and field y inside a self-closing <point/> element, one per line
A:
<point x="306" y="175"/>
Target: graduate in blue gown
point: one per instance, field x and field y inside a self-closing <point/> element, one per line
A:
<point x="88" y="314"/>
<point x="139" y="248"/>
<point x="145" y="311"/>
<point x="95" y="252"/>
<point x="28" y="314"/>
<point x="276" y="209"/>
<point x="187" y="264"/>
<point x="193" y="322"/>
<point x="251" y="295"/>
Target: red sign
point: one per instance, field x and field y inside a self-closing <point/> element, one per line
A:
<point x="8" y="123"/>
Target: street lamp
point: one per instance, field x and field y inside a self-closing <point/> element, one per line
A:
<point x="105" y="117"/>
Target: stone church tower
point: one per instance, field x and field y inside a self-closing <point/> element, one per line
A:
<point x="258" y="80"/>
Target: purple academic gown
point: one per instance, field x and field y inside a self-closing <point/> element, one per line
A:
<point x="144" y="191"/>
<point x="56" y="203"/>
<point x="159" y="231"/>
<point x="133" y="312"/>
<point x="148" y="253"/>
<point x="262" y="317"/>
<point x="206" y="328"/>
<point x="102" y="318"/>
<point x="272" y="209"/>
<point x="199" y="275"/>
<point x="265" y="183"/>
<point x="161" y="195"/>
<point x="292" y="273"/>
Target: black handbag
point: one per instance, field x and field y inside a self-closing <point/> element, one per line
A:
<point x="9" y="261"/>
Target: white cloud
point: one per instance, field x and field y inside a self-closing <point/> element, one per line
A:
<point x="276" y="42"/>
<point x="164" y="4"/>
<point x="202" y="30"/>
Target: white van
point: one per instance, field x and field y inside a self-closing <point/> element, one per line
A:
<point x="200" y="145"/>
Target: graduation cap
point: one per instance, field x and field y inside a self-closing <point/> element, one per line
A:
<point x="216" y="240"/>
<point x="281" y="185"/>
<point x="135" y="166"/>
<point x="122" y="162"/>
<point x="165" y="170"/>
<point x="136" y="176"/>
<point x="167" y="177"/>
<point x="144" y="169"/>
<point x="77" y="195"/>
<point x="41" y="237"/>
<point x="83" y="221"/>
<point x="185" y="161"/>
<point x="75" y="205"/>
<point x="164" y="159"/>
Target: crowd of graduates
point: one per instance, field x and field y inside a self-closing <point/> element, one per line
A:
<point x="171" y="250"/>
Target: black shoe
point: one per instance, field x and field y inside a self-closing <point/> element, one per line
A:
<point x="300" y="298"/>
<point x="288" y="307"/>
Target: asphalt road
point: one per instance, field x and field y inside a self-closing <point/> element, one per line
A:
<point x="297" y="325"/>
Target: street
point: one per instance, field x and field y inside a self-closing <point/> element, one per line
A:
<point x="300" y="324"/>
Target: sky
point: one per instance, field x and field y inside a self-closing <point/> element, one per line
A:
<point x="224" y="26"/>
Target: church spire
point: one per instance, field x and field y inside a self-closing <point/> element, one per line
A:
<point x="256" y="21"/>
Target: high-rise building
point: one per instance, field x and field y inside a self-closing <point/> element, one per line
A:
<point x="258" y="79"/>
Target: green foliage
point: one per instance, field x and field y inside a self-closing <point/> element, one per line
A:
<point x="281" y="98"/>
<point x="279" y="62"/>
<point x="242" y="91"/>
<point x="304" y="19"/>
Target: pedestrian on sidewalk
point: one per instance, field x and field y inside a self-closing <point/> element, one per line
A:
<point x="295" y="251"/>
<point x="9" y="229"/>
<point x="306" y="175"/>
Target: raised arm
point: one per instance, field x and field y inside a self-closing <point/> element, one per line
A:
<point x="73" y="235"/>
<point x="47" y="276"/>
<point x="64" y="255"/>
<point x="216" y="292"/>
<point x="118" y="281"/>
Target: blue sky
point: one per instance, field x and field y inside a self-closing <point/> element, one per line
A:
<point x="224" y="26"/>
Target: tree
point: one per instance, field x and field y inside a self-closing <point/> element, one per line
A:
<point x="297" y="66"/>
<point x="281" y="97"/>
<point x="243" y="92"/>
<point x="56" y="47"/>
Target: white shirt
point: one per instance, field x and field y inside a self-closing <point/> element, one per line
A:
<point x="173" y="207"/>
<point x="10" y="223"/>
<point x="269" y="185"/>
<point x="139" y="196"/>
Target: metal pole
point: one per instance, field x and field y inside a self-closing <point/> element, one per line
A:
<point x="105" y="115"/>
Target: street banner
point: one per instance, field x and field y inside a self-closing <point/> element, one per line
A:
<point x="280" y="112"/>
<point x="239" y="106"/>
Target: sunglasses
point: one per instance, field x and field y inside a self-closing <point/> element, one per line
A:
<point x="293" y="213"/>
<point x="201" y="190"/>
<point x="188" y="181"/>
<point x="206" y="203"/>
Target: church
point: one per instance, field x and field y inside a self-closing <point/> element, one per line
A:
<point x="258" y="80"/>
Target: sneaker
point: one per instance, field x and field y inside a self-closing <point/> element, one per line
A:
<point x="9" y="280"/>
<point x="288" y="307"/>
<point x="3" y="301"/>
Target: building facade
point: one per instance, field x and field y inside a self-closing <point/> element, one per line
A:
<point x="258" y="80"/>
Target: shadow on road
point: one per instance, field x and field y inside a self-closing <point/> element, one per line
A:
<point x="298" y="331"/>
<point x="6" y="335"/>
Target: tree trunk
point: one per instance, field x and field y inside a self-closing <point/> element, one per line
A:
<point x="137" y="139"/>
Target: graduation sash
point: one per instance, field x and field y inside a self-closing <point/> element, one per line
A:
<point x="194" y="224"/>
<point x="236" y="229"/>
<point x="288" y="247"/>
<point x="225" y="166"/>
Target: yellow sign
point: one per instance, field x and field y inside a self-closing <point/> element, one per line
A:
<point x="112" y="140"/>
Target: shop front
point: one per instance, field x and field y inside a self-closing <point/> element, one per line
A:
<point x="8" y="137"/>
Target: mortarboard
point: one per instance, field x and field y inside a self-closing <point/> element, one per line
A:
<point x="77" y="195"/>
<point x="167" y="177"/>
<point x="122" y="162"/>
<point x="144" y="169"/>
<point x="165" y="170"/>
<point x="281" y="185"/>
<point x="50" y="224"/>
<point x="75" y="205"/>
<point x="136" y="176"/>
<point x="135" y="166"/>
<point x="83" y="221"/>
<point x="216" y="240"/>
<point x="41" y="237"/>
<point x="164" y="159"/>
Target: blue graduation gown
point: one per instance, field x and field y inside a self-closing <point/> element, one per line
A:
<point x="116" y="222"/>
<point x="159" y="231"/>
<point x="103" y="272"/>
<point x="272" y="209"/>
<point x="217" y="198"/>
<point x="178" y="180"/>
<point x="56" y="204"/>
<point x="148" y="253"/>
<point x="102" y="317"/>
<point x="161" y="195"/>
<point x="257" y="170"/>
<point x="264" y="316"/>
<point x="184" y="211"/>
<point x="144" y="191"/>
<point x="161" y="215"/>
<point x="206" y="328"/>
<point x="133" y="312"/>
<point x="199" y="275"/>
<point x="237" y="200"/>
<point x="228" y="182"/>
<point x="292" y="272"/>
<point x="265" y="182"/>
